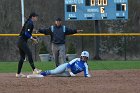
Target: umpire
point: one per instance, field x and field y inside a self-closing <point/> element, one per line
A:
<point x="25" y="34"/>
<point x="58" y="33"/>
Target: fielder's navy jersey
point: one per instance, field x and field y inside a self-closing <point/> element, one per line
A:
<point x="77" y="66"/>
<point x="27" y="29"/>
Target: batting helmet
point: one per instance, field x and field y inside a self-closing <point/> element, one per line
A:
<point x="85" y="53"/>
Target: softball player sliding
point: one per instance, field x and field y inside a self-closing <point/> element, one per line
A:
<point x="75" y="66"/>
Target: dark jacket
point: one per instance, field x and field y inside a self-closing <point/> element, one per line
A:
<point x="27" y="30"/>
<point x="58" y="35"/>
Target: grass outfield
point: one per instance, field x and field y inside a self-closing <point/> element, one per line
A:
<point x="8" y="67"/>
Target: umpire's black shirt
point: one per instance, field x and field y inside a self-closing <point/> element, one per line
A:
<point x="57" y="35"/>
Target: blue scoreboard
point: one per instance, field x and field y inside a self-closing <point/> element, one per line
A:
<point x="96" y="9"/>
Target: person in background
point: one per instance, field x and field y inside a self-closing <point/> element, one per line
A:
<point x="58" y="33"/>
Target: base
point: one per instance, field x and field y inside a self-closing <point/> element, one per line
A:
<point x="35" y="76"/>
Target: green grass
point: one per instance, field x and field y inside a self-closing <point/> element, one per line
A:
<point x="114" y="65"/>
<point x="8" y="67"/>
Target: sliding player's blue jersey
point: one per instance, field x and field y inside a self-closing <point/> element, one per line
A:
<point x="77" y="66"/>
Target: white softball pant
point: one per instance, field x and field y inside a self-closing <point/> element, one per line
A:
<point x="60" y="69"/>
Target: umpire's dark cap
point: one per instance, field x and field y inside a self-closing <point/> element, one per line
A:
<point x="58" y="19"/>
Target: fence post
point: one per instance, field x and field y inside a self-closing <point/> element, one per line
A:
<point x="97" y="42"/>
<point x="125" y="48"/>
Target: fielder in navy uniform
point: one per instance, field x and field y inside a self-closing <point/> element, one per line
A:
<point x="25" y="35"/>
<point x="75" y="66"/>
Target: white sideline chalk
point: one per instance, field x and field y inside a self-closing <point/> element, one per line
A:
<point x="35" y="76"/>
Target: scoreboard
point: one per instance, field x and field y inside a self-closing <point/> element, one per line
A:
<point x="96" y="9"/>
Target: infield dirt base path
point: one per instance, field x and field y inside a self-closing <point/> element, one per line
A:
<point x="116" y="81"/>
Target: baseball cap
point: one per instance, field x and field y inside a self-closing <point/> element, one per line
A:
<point x="58" y="19"/>
<point x="85" y="53"/>
<point x="33" y="14"/>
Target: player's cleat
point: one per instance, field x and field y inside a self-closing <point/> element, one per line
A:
<point x="43" y="73"/>
<point x="20" y="75"/>
<point x="37" y="71"/>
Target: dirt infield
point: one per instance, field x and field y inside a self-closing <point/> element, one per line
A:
<point x="117" y="81"/>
